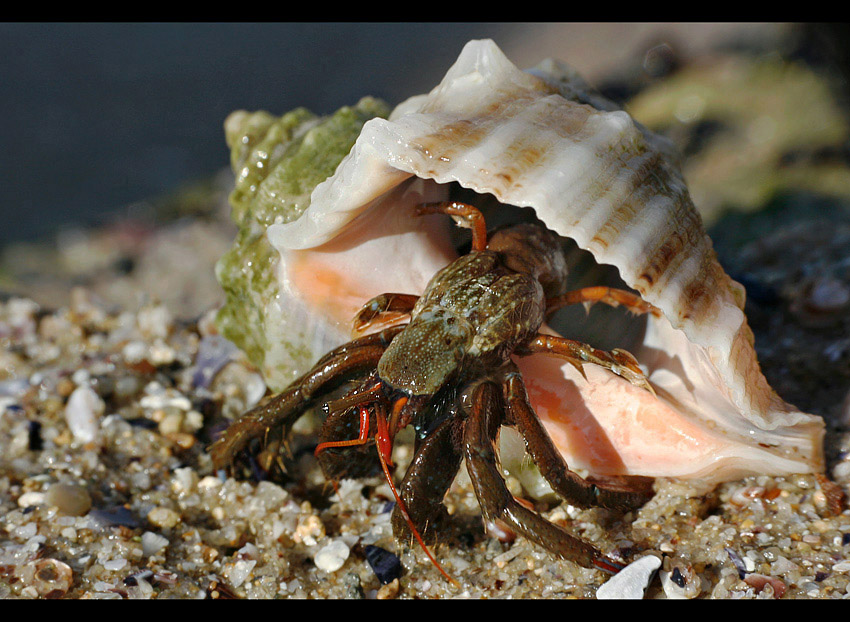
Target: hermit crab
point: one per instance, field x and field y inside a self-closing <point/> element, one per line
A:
<point x="461" y="345"/>
<point x="449" y="374"/>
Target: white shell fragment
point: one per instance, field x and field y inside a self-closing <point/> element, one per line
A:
<point x="542" y="139"/>
<point x="153" y="543"/>
<point x="332" y="556"/>
<point x="631" y="582"/>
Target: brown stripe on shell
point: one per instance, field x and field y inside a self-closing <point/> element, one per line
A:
<point x="614" y="227"/>
<point x="522" y="156"/>
<point x="604" y="190"/>
<point x="706" y="295"/>
<point x="458" y="136"/>
<point x="682" y="239"/>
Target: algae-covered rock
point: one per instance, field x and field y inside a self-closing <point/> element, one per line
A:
<point x="277" y="162"/>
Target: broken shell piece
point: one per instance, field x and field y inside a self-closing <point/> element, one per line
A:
<point x="543" y="140"/>
<point x="631" y="582"/>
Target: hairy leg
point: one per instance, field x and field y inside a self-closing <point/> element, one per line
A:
<point x="617" y="361"/>
<point x="628" y="493"/>
<point x="497" y="503"/>
<point x="272" y="419"/>
<point x="345" y="446"/>
<point x="608" y="295"/>
<point x="428" y="477"/>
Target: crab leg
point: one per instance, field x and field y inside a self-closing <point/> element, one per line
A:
<point x="428" y="477"/>
<point x="626" y="494"/>
<point x="376" y="310"/>
<point x="617" y="361"/>
<point x="367" y="401"/>
<point x="382" y="437"/>
<point x="362" y="436"/>
<point x="337" y="367"/>
<point x="600" y="293"/>
<point x="464" y="215"/>
<point x="381" y="338"/>
<point x="497" y="503"/>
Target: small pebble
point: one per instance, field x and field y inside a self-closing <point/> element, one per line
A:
<point x="142" y="575"/>
<point x="759" y="581"/>
<point x="631" y="582"/>
<point x="71" y="499"/>
<point x="83" y="412"/>
<point x="388" y="591"/>
<point x="115" y="564"/>
<point x="115" y="516"/>
<point x="827" y="295"/>
<point x="155" y="320"/>
<point x="31" y="498"/>
<point x="842" y="566"/>
<point x="34" y="440"/>
<point x="239" y="571"/>
<point x="739" y="564"/>
<point x="332" y="556"/>
<point x="163" y="517"/>
<point x="51" y="578"/>
<point x="214" y="352"/>
<point x="385" y="565"/>
<point x="680" y="581"/>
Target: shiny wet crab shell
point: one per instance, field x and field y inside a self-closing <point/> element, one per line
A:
<point x="543" y="139"/>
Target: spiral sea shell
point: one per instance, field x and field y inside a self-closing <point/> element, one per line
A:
<point x="542" y="139"/>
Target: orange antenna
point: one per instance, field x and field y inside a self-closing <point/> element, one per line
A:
<point x="362" y="438"/>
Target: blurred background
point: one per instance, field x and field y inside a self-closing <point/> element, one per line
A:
<point x="100" y="118"/>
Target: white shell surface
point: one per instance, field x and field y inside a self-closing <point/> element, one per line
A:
<point x="533" y="139"/>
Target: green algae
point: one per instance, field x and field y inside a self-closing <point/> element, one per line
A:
<point x="277" y="161"/>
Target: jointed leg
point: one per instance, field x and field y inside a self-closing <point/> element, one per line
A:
<point x="632" y="491"/>
<point x="600" y="293"/>
<point x="428" y="478"/>
<point x="617" y="361"/>
<point x="380" y="339"/>
<point x="338" y="453"/>
<point x="376" y="310"/>
<point x="348" y="458"/>
<point x="464" y="215"/>
<point x="496" y="501"/>
<point x="279" y="413"/>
